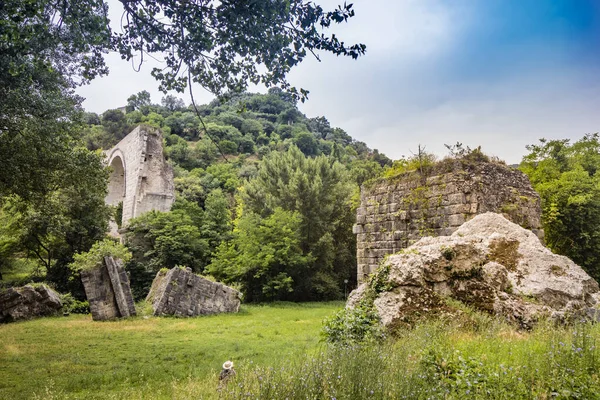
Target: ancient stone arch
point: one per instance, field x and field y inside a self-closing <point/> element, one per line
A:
<point x="140" y="176"/>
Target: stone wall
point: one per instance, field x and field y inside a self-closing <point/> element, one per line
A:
<point x="181" y="293"/>
<point x="107" y="290"/>
<point x="396" y="212"/>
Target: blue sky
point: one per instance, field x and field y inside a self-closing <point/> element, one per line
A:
<point x="495" y="73"/>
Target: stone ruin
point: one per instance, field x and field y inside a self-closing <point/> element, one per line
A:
<point x="488" y="263"/>
<point x="396" y="212"/>
<point x="107" y="290"/>
<point x="179" y="292"/>
<point x="28" y="302"/>
<point x="141" y="178"/>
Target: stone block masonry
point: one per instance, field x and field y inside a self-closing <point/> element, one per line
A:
<point x="396" y="212"/>
<point x="107" y="290"/>
<point x="179" y="292"/>
<point x="141" y="178"/>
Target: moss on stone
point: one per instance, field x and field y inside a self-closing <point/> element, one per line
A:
<point x="505" y="252"/>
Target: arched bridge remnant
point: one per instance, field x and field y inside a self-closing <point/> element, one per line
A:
<point x="140" y="177"/>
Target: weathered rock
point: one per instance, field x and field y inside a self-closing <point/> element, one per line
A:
<point x="396" y="212"/>
<point x="180" y="292"/>
<point x="108" y="291"/>
<point x="489" y="263"/>
<point x="28" y="302"/>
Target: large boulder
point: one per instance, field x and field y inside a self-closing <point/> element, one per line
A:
<point x="182" y="293"/>
<point x="490" y="264"/>
<point x="28" y="302"/>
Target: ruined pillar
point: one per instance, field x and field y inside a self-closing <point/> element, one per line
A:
<point x="107" y="290"/>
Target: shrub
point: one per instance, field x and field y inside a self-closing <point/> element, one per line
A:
<point x="357" y="325"/>
<point x="73" y="306"/>
<point x="101" y="249"/>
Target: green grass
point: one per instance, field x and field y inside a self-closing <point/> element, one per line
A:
<point x="278" y="355"/>
<point x="447" y="359"/>
<point x="74" y="357"/>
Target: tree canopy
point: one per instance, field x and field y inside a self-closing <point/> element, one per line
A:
<point x="309" y="256"/>
<point x="566" y="176"/>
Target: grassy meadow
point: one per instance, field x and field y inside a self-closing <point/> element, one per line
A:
<point x="144" y="357"/>
<point x="278" y="354"/>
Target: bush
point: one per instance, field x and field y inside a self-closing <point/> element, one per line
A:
<point x="73" y="306"/>
<point x="101" y="249"/>
<point x="350" y="326"/>
<point x="228" y="147"/>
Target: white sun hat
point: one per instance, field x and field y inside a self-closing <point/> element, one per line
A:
<point x="227" y="365"/>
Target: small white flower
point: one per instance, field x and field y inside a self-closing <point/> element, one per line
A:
<point x="227" y="365"/>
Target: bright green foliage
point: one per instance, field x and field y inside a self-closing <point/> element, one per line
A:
<point x="188" y="236"/>
<point x="66" y="220"/>
<point x="228" y="147"/>
<point x="440" y="361"/>
<point x="264" y="256"/>
<point x="319" y="189"/>
<point x="163" y="240"/>
<point x="358" y="325"/>
<point x="71" y="305"/>
<point x="95" y="256"/>
<point x="251" y="127"/>
<point x="446" y="359"/>
<point x="567" y="179"/>
<point x="200" y="155"/>
<point x="216" y="223"/>
<point x="49" y="48"/>
<point x="419" y="162"/>
<point x="191" y="188"/>
<point x="362" y="170"/>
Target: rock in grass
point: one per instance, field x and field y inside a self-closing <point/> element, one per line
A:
<point x="490" y="264"/>
<point x="181" y="293"/>
<point x="28" y="302"/>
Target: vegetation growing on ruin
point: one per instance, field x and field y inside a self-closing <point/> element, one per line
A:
<point x="95" y="256"/>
